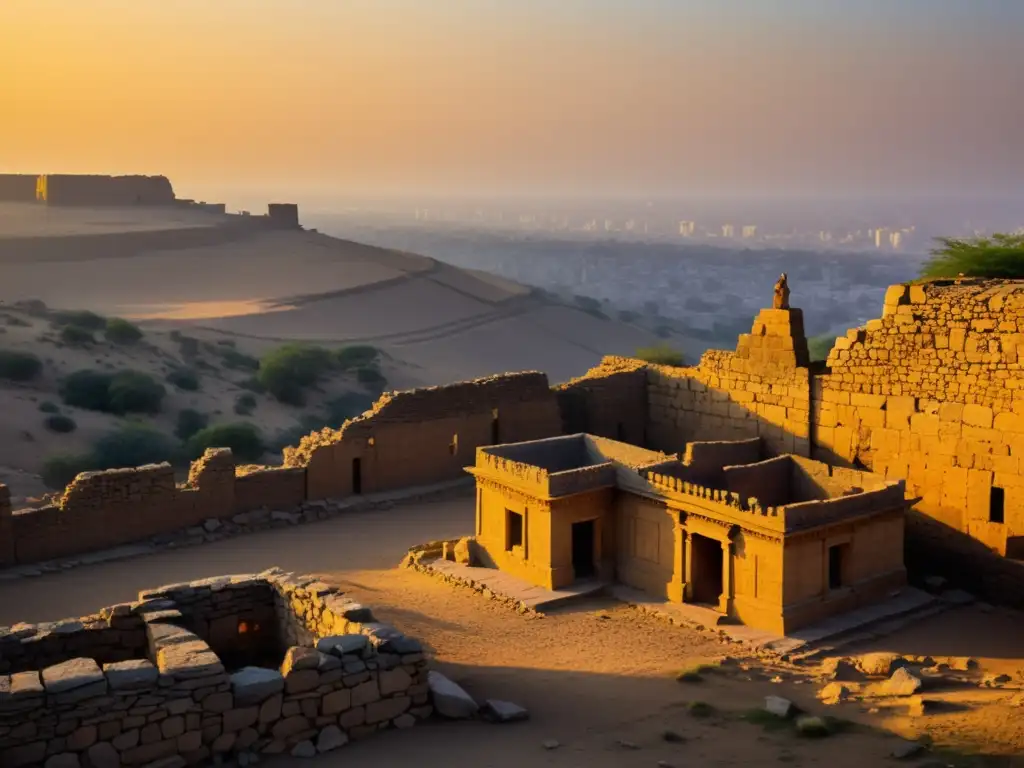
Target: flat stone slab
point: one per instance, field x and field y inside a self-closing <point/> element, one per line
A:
<point x="251" y="685"/>
<point x="340" y="645"/>
<point x="72" y="674"/>
<point x="498" y="711"/>
<point x="449" y="699"/>
<point x="504" y="584"/>
<point x="130" y="675"/>
<point x="188" y="660"/>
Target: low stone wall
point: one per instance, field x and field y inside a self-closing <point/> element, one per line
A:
<point x="343" y="676"/>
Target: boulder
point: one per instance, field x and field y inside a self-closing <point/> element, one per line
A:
<point x="907" y="749"/>
<point x="880" y="664"/>
<point x="902" y="683"/>
<point x="330" y="738"/>
<point x="834" y="693"/>
<point x="465" y="551"/>
<point x="779" y="706"/>
<point x="840" y="669"/>
<point x="304" y="749"/>
<point x="449" y="699"/>
<point x="340" y="645"/>
<point x="498" y="711"/>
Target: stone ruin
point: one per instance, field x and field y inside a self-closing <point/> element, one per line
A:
<point x="228" y="666"/>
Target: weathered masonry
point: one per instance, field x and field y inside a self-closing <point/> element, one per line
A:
<point x="777" y="543"/>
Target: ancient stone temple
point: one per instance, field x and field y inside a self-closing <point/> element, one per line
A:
<point x="777" y="543"/>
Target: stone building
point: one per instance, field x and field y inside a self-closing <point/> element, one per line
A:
<point x="777" y="543"/>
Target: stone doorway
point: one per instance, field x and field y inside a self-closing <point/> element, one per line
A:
<point x="706" y="570"/>
<point x="583" y="565"/>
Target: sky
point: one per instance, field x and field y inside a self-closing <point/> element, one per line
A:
<point x="717" y="97"/>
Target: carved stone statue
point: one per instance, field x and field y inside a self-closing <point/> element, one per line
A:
<point x="781" y="300"/>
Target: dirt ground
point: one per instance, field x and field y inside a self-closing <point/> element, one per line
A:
<point x="598" y="677"/>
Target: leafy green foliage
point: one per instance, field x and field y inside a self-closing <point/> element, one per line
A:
<point x="76" y="335"/>
<point x="184" y="378"/>
<point x="244" y="439"/>
<point x="660" y="355"/>
<point x="19" y="366"/>
<point x="60" y="424"/>
<point x="190" y="421"/>
<point x="288" y="371"/>
<point x="998" y="256"/>
<point x="236" y="360"/>
<point x="371" y="378"/>
<point x="118" y="393"/>
<point x="132" y="445"/>
<point x="245" y="404"/>
<point x="820" y="346"/>
<point x="80" y="318"/>
<point x="60" y="469"/>
<point x="119" y="331"/>
<point x="356" y="356"/>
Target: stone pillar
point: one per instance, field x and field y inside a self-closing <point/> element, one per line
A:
<point x="725" y="600"/>
<point x="6" y="528"/>
<point x="687" y="567"/>
<point x="777" y="338"/>
<point x="677" y="589"/>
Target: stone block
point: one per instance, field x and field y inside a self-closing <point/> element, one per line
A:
<point x="299" y="658"/>
<point x="337" y="701"/>
<point x="288" y="727"/>
<point x="301" y="681"/>
<point x="102" y="755"/>
<point x="394" y="681"/>
<point x="73" y="674"/>
<point x="237" y="719"/>
<point x="130" y="675"/>
<point x="366" y="692"/>
<point x="449" y="699"/>
<point x="386" y="709"/>
<point x="251" y="685"/>
<point x="341" y="645"/>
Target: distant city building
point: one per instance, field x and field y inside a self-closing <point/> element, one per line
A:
<point x="728" y="230"/>
<point x="749" y="232"/>
<point x="686" y="228"/>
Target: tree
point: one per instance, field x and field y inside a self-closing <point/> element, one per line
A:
<point x="121" y="331"/>
<point x="244" y="440"/>
<point x="998" y="256"/>
<point x="820" y="346"/>
<point x="287" y="371"/>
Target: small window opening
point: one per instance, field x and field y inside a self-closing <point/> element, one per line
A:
<point x="515" y="529"/>
<point x="996" y="505"/>
<point x="453" y="446"/>
<point x="835" y="566"/>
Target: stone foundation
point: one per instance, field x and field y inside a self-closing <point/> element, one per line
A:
<point x="143" y="681"/>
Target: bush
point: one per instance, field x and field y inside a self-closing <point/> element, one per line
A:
<point x="133" y="445"/>
<point x="371" y="378"/>
<point x="184" y="378"/>
<point x="187" y="345"/>
<point x="341" y="409"/>
<point x="47" y="407"/>
<point x="245" y="404"/>
<point x="120" y="331"/>
<point x="19" y="366"/>
<point x="660" y="355"/>
<point x="287" y="371"/>
<point x="356" y="356"/>
<point x="190" y="421"/>
<point x="232" y="358"/>
<point x="80" y="318"/>
<point x="76" y="335"/>
<point x="820" y="346"/>
<point x="244" y="440"/>
<point x="253" y="385"/>
<point x="119" y="393"/>
<point x="998" y="256"/>
<point x="60" y="424"/>
<point x="59" y="470"/>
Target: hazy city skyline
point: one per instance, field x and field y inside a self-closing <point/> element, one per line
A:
<point x="652" y="97"/>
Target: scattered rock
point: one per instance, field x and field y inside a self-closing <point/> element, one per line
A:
<point x="330" y="738"/>
<point x="834" y="693"/>
<point x="840" y="669"/>
<point x="550" y="744"/>
<point x="211" y="525"/>
<point x="251" y="685"/>
<point x="902" y="683"/>
<point x="449" y="699"/>
<point x="907" y="749"/>
<point x="779" y="706"/>
<point x="994" y="681"/>
<point x="880" y="664"/>
<point x="672" y="737"/>
<point x="498" y="711"/>
<point x="627" y="744"/>
<point x="918" y="706"/>
<point x="404" y="721"/>
<point x="304" y="749"/>
<point x="935" y="583"/>
<point x="960" y="663"/>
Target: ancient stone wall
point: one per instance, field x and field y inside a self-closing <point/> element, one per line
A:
<point x="340" y="676"/>
<point x="426" y="435"/>
<point x="18" y="187"/>
<point x="284" y="215"/>
<point x="64" y="189"/>
<point x="610" y="400"/>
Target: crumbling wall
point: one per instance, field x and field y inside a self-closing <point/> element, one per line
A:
<point x="18" y="187"/>
<point x="284" y="215"/>
<point x="760" y="390"/>
<point x="425" y="436"/>
<point x="609" y="400"/>
<point x="66" y="189"/>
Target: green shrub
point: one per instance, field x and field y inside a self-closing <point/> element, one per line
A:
<point x="356" y="356"/>
<point x="820" y="346"/>
<point x="47" y="407"/>
<point x="119" y="331"/>
<point x="253" y="385"/>
<point x="60" y="424"/>
<point x="371" y="378"/>
<point x="19" y="366"/>
<point x="341" y="409"/>
<point x="660" y="355"/>
<point x="119" y="393"/>
<point x="132" y="445"/>
<point x="232" y="358"/>
<point x="244" y="440"/>
<point x="287" y="371"/>
<point x="999" y="256"/>
<point x="184" y="378"/>
<point x="190" y="421"/>
<point x="59" y="470"/>
<point x="80" y="318"/>
<point x="187" y="345"/>
<point x="245" y="404"/>
<point x="76" y="335"/>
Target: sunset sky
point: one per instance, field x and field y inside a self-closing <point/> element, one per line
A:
<point x="630" y="96"/>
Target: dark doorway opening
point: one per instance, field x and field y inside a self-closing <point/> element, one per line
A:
<point x="495" y="428"/>
<point x="996" y="505"/>
<point x="620" y="432"/>
<point x="706" y="569"/>
<point x="357" y="476"/>
<point x="835" y="566"/>
<point x="583" y="565"/>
